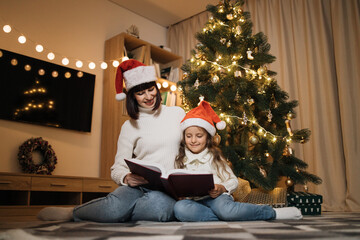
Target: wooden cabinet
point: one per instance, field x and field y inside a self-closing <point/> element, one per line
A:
<point x="26" y="194"/>
<point x="114" y="112"/>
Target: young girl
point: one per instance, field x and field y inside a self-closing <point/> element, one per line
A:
<point x="197" y="152"/>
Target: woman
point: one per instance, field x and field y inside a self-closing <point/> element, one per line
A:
<point x="152" y="134"/>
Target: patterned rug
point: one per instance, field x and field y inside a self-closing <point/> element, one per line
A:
<point x="328" y="225"/>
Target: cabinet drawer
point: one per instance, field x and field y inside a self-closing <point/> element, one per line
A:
<point x="93" y="185"/>
<point x="14" y="183"/>
<point x="56" y="184"/>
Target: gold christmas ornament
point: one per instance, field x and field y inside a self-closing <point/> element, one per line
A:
<point x="288" y="127"/>
<point x="250" y="101"/>
<point x="254" y="140"/>
<point x="289" y="182"/>
<point x="238" y="30"/>
<point x="228" y="44"/>
<point x="217" y="139"/>
<point x="230" y="16"/>
<point x="223" y="40"/>
<point x="261" y="70"/>
<point x="215" y="79"/>
<point x="290" y="116"/>
<point x="286" y="151"/>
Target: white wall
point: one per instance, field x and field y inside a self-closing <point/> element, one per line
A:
<point x="76" y="29"/>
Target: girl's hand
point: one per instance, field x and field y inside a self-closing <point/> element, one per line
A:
<point x="134" y="180"/>
<point x="217" y="191"/>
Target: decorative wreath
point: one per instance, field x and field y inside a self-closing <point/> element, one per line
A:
<point x="26" y="161"/>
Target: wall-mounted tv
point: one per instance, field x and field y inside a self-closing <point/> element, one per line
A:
<point x="38" y="92"/>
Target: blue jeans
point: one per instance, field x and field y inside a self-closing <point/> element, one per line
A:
<point x="127" y="204"/>
<point x="221" y="208"/>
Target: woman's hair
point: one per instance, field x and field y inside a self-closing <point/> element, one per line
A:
<point x="219" y="162"/>
<point x="132" y="106"/>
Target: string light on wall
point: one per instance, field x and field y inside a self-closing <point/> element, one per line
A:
<point x="65" y="60"/>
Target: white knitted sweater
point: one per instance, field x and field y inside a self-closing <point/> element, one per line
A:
<point x="155" y="137"/>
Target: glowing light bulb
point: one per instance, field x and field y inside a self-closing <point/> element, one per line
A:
<point x="115" y="63"/>
<point x="92" y="65"/>
<point x="65" y="61"/>
<point x="67" y="75"/>
<point x="173" y="88"/>
<point x="158" y="85"/>
<point x="80" y="74"/>
<point x="55" y="74"/>
<point x="103" y="65"/>
<point x="51" y="56"/>
<point x="39" y="48"/>
<point x="79" y="63"/>
<point x="165" y="84"/>
<point x="7" y="28"/>
<point x="124" y="59"/>
<point x="22" y="39"/>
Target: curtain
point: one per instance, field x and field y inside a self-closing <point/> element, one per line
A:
<point x="318" y="60"/>
<point x="180" y="37"/>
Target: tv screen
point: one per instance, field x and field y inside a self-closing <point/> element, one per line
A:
<point x="39" y="92"/>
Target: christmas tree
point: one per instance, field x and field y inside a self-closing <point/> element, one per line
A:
<point x="229" y="69"/>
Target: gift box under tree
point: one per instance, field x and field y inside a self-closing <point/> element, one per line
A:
<point x="308" y="203"/>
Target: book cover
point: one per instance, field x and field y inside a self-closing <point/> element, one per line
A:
<point x="176" y="182"/>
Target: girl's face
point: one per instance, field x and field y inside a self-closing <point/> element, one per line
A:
<point x="146" y="98"/>
<point x="195" y="139"/>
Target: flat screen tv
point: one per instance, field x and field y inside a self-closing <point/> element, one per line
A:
<point x="38" y="92"/>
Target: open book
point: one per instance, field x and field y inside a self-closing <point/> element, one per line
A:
<point x="176" y="182"/>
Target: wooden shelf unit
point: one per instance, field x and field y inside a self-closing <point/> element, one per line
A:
<point x="114" y="112"/>
<point x="26" y="194"/>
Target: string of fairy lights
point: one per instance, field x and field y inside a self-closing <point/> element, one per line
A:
<point x="51" y="55"/>
<point x="22" y="39"/>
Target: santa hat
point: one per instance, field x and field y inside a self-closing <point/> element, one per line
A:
<point x="133" y="73"/>
<point x="203" y="116"/>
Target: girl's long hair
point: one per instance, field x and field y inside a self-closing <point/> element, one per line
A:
<point x="219" y="162"/>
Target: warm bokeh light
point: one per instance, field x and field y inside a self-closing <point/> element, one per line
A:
<point x="39" y="48"/>
<point x="79" y="63"/>
<point x="22" y="39"/>
<point x="65" y="61"/>
<point x="92" y="65"/>
<point x="103" y="65"/>
<point x="115" y="63"/>
<point x="51" y="56"/>
<point x="7" y="28"/>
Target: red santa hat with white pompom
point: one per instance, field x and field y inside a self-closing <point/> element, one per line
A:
<point x="133" y="73"/>
<point x="203" y="116"/>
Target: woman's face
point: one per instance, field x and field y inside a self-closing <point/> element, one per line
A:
<point x="195" y="139"/>
<point x="146" y="98"/>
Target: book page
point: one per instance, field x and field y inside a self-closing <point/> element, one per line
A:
<point x="182" y="172"/>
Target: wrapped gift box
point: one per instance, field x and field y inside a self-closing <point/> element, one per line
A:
<point x="308" y="203"/>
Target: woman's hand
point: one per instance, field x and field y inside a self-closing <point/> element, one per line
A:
<point x="217" y="191"/>
<point x="134" y="180"/>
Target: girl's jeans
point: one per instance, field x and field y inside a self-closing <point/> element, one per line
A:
<point x="221" y="208"/>
<point x="127" y="204"/>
